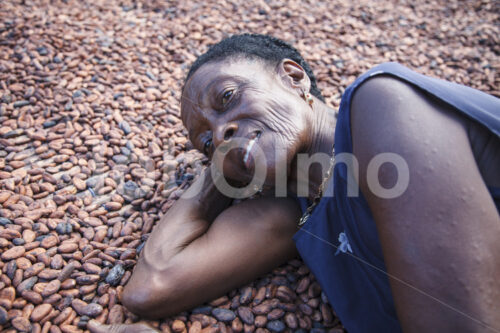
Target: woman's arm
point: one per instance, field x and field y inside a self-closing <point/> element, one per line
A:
<point x="440" y="237"/>
<point x="200" y="249"/>
<point x="187" y="219"/>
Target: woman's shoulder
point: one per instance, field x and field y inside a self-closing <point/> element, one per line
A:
<point x="389" y="68"/>
<point x="472" y="103"/>
<point x="343" y="141"/>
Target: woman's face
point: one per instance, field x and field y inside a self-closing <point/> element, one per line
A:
<point x="251" y="103"/>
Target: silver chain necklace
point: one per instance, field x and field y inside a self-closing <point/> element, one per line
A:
<point x="321" y="190"/>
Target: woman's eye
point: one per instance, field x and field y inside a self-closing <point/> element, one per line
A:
<point x="207" y="146"/>
<point x="227" y="96"/>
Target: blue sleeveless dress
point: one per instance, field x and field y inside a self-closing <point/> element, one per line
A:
<point x="339" y="241"/>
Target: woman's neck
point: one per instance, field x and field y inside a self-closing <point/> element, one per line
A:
<point x="318" y="148"/>
<point x="323" y="129"/>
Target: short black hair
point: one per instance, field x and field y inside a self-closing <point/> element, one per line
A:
<point x="268" y="48"/>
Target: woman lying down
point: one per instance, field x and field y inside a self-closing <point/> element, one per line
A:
<point x="393" y="204"/>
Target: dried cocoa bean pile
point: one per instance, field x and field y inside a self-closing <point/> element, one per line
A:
<point x="93" y="153"/>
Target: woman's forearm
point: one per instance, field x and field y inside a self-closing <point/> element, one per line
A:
<point x="242" y="243"/>
<point x="188" y="219"/>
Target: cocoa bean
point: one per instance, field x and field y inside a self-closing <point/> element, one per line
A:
<point x="13" y="253"/>
<point x="66" y="272"/>
<point x="246" y="295"/>
<point x="276" y="326"/>
<point x="237" y="325"/>
<point x="260" y="321"/>
<point x="69" y="329"/>
<point x="115" y="315"/>
<point x="8" y="295"/>
<point x="4" y="317"/>
<point x="67" y="248"/>
<point x="10" y="234"/>
<point x="275" y="314"/>
<point x="196" y="327"/>
<point x="291" y="320"/>
<point x="285" y="294"/>
<point x="33" y="270"/>
<point x="11" y="269"/>
<point x="29" y="236"/>
<point x="64" y="228"/>
<point x="51" y="288"/>
<point x="53" y="299"/>
<point x="259" y="297"/>
<point x="223" y="314"/>
<point x="21" y="324"/>
<point x="91" y="268"/>
<point x="306" y="309"/>
<point x="49" y="242"/>
<point x="68" y="284"/>
<point x="326" y="313"/>
<point x="40" y="312"/>
<point x="49" y="274"/>
<point x="27" y="284"/>
<point x="303" y="285"/>
<point x="84" y="309"/>
<point x="32" y="296"/>
<point x="62" y="316"/>
<point x="262" y="309"/>
<point x="246" y="315"/>
<point x="115" y="274"/>
<point x="87" y="279"/>
<point x="57" y="262"/>
<point x="178" y="326"/>
<point x="112" y="206"/>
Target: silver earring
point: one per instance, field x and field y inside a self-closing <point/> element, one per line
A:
<point x="308" y="98"/>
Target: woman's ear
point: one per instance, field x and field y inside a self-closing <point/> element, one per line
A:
<point x="293" y="75"/>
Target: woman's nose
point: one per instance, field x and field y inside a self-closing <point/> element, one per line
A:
<point x="225" y="133"/>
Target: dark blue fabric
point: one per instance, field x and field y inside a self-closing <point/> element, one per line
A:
<point x="339" y="242"/>
<point x="495" y="193"/>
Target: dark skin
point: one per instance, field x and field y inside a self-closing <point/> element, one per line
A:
<point x="441" y="235"/>
<point x="441" y="243"/>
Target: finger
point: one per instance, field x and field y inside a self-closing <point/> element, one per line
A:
<point x="96" y="327"/>
<point x="137" y="328"/>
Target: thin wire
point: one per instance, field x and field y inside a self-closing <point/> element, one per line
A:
<point x="404" y="283"/>
<point x="190" y="100"/>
